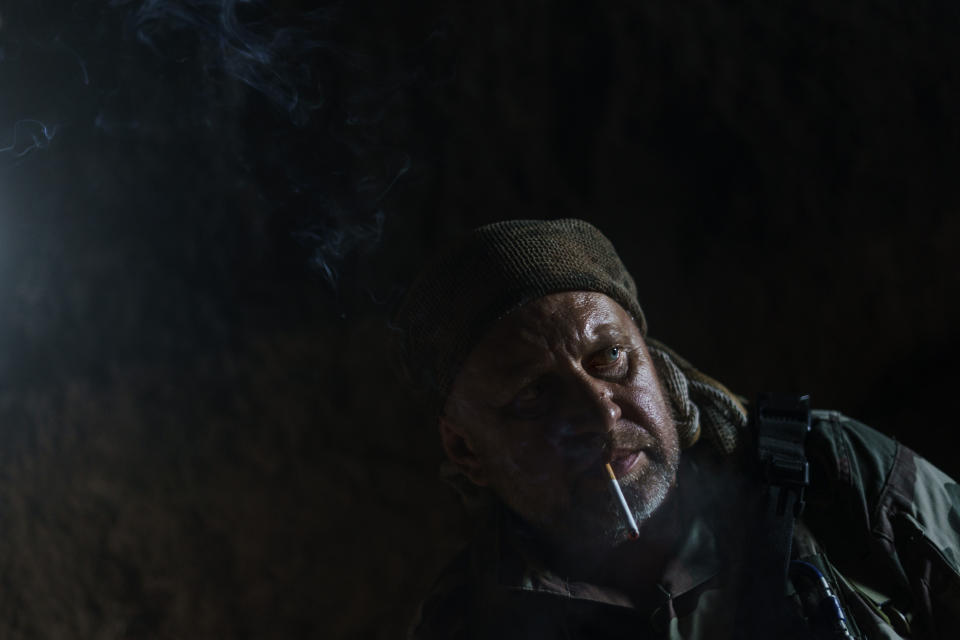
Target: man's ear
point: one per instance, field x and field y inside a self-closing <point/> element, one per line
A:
<point x="461" y="450"/>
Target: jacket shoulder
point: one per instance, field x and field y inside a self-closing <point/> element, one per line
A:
<point x="886" y="516"/>
<point x="848" y="456"/>
<point x="882" y="479"/>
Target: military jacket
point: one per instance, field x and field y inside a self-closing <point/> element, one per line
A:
<point x="881" y="525"/>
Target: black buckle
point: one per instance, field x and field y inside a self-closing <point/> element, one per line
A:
<point x="782" y="424"/>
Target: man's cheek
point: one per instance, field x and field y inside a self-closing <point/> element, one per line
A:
<point x="538" y="468"/>
<point x="653" y="409"/>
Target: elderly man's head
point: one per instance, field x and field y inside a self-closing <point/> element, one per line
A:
<point x="551" y="393"/>
<point x="531" y="341"/>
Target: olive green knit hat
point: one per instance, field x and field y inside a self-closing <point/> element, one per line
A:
<point x="493" y="270"/>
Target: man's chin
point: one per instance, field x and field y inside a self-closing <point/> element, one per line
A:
<point x="602" y="524"/>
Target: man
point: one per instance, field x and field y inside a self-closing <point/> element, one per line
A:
<point x="531" y="342"/>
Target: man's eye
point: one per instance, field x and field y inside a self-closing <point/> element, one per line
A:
<point x="607" y="358"/>
<point x="530" y="402"/>
<point x="528" y="395"/>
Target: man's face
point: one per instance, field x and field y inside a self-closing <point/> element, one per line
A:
<point x="551" y="393"/>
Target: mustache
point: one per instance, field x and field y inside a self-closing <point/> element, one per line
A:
<point x="588" y="450"/>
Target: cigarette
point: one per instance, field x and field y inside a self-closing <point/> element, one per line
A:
<point x="615" y="487"/>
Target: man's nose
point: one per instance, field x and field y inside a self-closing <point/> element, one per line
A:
<point x="591" y="404"/>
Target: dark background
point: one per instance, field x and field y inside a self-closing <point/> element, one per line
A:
<point x="207" y="210"/>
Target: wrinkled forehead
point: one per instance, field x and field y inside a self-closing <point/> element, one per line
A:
<point x="547" y="327"/>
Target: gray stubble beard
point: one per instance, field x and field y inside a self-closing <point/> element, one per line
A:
<point x="644" y="494"/>
<point x="595" y="522"/>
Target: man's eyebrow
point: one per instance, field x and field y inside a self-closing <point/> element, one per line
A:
<point x="608" y="330"/>
<point x="520" y="371"/>
<point x="515" y="378"/>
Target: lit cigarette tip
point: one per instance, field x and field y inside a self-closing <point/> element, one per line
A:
<point x="615" y="487"/>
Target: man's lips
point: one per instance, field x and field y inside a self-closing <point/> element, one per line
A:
<point x="624" y="460"/>
<point x="624" y="451"/>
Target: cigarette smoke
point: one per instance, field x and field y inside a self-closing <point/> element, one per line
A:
<point x="319" y="123"/>
<point x="28" y="135"/>
<point x="270" y="57"/>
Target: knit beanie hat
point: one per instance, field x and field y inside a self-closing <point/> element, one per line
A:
<point x="497" y="268"/>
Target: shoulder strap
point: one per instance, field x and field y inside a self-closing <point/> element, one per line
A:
<point x="781" y="423"/>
